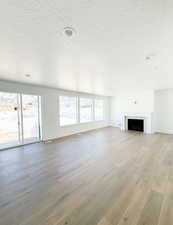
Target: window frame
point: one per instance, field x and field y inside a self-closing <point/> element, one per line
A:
<point x="21" y="139"/>
<point x="97" y="99"/>
<point x="92" y="110"/>
<point x="59" y="117"/>
<point x="78" y="113"/>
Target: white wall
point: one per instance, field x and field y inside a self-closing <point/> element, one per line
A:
<point x="164" y="111"/>
<point x="132" y="102"/>
<point x="125" y="103"/>
<point x="50" y="110"/>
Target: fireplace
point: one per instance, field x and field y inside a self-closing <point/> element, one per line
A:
<point x="146" y="117"/>
<point x="135" y="124"/>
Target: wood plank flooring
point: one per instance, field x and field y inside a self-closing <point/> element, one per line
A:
<point x="103" y="177"/>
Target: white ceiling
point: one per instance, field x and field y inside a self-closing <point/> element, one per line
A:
<point x="108" y="52"/>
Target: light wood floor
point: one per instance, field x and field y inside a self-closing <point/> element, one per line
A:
<point x="104" y="177"/>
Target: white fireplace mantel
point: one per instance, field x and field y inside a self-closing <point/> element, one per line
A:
<point x="147" y="117"/>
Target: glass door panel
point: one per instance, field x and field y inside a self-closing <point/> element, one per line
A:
<point x="9" y="120"/>
<point x="30" y="118"/>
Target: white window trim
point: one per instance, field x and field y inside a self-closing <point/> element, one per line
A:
<point x="78" y="122"/>
<point x="103" y="109"/>
<point x="92" y="115"/>
<point x="70" y="96"/>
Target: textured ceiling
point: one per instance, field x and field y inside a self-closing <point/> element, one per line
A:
<point x="119" y="44"/>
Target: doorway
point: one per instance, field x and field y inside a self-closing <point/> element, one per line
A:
<point x="20" y="119"/>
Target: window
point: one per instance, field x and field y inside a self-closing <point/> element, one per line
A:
<point x="86" y="106"/>
<point x="68" y="110"/>
<point x="74" y="109"/>
<point x="98" y="109"/>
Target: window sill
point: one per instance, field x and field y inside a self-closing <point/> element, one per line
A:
<point x="75" y="124"/>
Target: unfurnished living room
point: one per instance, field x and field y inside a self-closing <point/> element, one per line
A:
<point x="86" y="112"/>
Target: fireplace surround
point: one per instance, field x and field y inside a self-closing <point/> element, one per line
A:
<point x="146" y="117"/>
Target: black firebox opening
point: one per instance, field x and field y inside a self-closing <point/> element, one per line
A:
<point x="136" y="124"/>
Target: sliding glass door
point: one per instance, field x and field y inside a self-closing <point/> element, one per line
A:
<point x="31" y="120"/>
<point x="9" y="120"/>
<point x="19" y="119"/>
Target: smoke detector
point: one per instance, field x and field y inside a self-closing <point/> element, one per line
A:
<point x="69" y="31"/>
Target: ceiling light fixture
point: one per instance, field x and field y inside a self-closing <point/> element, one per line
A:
<point x="69" y="31"/>
<point x="27" y="75"/>
<point x="147" y="57"/>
